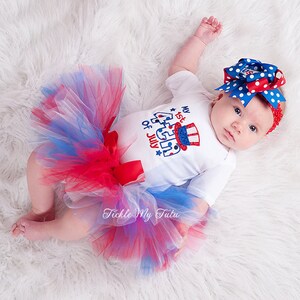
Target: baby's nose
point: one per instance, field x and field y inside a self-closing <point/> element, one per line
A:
<point x="237" y="127"/>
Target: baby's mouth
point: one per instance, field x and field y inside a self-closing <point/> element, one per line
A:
<point x="229" y="135"/>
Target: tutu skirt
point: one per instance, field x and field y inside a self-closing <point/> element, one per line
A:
<point x="128" y="222"/>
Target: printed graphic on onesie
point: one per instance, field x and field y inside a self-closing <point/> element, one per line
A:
<point x="170" y="132"/>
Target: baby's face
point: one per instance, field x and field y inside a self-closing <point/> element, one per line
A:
<point x="238" y="127"/>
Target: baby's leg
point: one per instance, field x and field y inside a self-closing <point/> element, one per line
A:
<point x="42" y="196"/>
<point x="67" y="228"/>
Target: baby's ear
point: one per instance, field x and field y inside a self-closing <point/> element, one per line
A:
<point x="217" y="98"/>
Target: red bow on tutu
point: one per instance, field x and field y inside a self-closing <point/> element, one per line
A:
<point x="125" y="173"/>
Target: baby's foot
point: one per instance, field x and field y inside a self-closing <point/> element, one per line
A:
<point x="49" y="215"/>
<point x="33" y="230"/>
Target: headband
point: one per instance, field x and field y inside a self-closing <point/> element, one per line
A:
<point x="250" y="77"/>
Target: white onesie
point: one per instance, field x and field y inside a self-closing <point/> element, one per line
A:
<point x="176" y="142"/>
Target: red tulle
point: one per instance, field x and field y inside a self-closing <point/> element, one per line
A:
<point x="91" y="170"/>
<point x="148" y="241"/>
<point x="78" y="149"/>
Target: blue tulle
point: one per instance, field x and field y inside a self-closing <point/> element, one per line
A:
<point x="73" y="122"/>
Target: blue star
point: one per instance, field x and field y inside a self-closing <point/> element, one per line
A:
<point x="158" y="153"/>
<point x="173" y="109"/>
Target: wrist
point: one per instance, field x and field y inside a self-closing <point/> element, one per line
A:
<point x="199" y="39"/>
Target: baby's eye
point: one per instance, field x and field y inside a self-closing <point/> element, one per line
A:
<point x="253" y="128"/>
<point x="238" y="111"/>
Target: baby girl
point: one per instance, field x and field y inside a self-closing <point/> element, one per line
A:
<point x="142" y="186"/>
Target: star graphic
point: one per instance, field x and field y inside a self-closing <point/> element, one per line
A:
<point x="158" y="152"/>
<point x="173" y="109"/>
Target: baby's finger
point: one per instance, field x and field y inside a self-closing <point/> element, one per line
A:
<point x="215" y="22"/>
<point x="177" y="253"/>
<point x="211" y="19"/>
<point x="219" y="28"/>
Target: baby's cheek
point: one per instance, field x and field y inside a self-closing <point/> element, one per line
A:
<point x="246" y="143"/>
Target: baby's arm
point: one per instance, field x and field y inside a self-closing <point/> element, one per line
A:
<point x="202" y="206"/>
<point x="188" y="56"/>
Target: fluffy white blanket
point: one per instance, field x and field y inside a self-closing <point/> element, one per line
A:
<point x="252" y="249"/>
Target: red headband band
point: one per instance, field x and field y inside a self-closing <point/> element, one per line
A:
<point x="277" y="116"/>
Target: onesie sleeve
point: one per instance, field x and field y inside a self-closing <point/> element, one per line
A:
<point x="209" y="184"/>
<point x="185" y="82"/>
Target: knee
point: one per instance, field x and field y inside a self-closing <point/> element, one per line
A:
<point x="32" y="160"/>
<point x="32" y="164"/>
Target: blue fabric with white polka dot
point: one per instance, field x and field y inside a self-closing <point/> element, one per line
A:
<point x="250" y="77"/>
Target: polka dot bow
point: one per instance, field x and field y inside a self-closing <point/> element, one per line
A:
<point x="250" y="77"/>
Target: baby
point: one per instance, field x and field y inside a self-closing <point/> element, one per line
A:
<point x="142" y="186"/>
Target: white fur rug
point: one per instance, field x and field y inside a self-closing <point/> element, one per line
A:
<point x="252" y="249"/>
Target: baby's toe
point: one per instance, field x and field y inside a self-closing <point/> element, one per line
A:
<point x="24" y="224"/>
<point x="15" y="230"/>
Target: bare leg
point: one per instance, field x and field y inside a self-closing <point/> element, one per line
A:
<point x="67" y="228"/>
<point x="42" y="196"/>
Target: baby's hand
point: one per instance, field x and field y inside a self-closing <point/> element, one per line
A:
<point x="183" y="230"/>
<point x="208" y="29"/>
